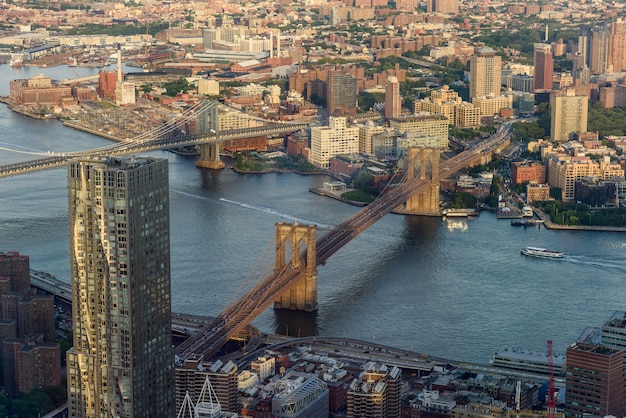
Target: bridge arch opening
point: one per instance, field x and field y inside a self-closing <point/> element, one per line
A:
<point x="298" y="243"/>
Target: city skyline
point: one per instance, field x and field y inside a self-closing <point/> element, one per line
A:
<point x="384" y="286"/>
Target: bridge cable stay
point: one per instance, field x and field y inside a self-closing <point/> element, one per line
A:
<point x="265" y="292"/>
<point x="261" y="285"/>
<point x="229" y="313"/>
<point x="160" y="130"/>
<point x="169" y="127"/>
<point x="275" y="284"/>
<point x="252" y="270"/>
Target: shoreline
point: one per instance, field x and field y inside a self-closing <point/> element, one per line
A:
<point x="326" y="193"/>
<point x="7" y="101"/>
<point x="277" y="170"/>
<point x="73" y="125"/>
<point x="538" y="212"/>
<point x="550" y="225"/>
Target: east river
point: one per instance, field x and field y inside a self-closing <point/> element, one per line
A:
<point x="456" y="289"/>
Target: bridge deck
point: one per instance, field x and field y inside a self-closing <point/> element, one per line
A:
<point x="242" y="312"/>
<point x="156" y="139"/>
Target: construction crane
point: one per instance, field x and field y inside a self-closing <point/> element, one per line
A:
<point x="550" y="411"/>
<point x="551" y="404"/>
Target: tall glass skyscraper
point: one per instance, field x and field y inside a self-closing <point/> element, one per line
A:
<point x="121" y="364"/>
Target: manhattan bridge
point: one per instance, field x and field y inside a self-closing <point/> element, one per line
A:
<point x="293" y="282"/>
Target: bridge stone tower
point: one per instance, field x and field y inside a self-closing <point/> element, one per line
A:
<point x="302" y="295"/>
<point x="423" y="163"/>
<point x="210" y="153"/>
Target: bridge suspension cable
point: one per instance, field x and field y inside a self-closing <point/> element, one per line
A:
<point x="271" y="285"/>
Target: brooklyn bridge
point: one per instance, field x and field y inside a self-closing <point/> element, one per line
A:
<point x="293" y="282"/>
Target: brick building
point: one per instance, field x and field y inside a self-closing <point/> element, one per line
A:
<point x="30" y="356"/>
<point x="522" y="172"/>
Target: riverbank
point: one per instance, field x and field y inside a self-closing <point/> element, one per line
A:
<point x="551" y="225"/>
<point x="336" y="196"/>
<point x="25" y="111"/>
<point x="278" y="170"/>
<point x="72" y="124"/>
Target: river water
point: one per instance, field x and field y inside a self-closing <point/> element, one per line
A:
<point x="456" y="289"/>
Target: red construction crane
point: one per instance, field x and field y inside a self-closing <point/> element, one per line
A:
<point x="551" y="404"/>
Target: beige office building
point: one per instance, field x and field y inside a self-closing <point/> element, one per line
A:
<point x="563" y="171"/>
<point x="424" y="123"/>
<point x="366" y="132"/>
<point x="485" y="73"/>
<point x="208" y="86"/>
<point x="122" y="363"/>
<point x="443" y="101"/>
<point x="335" y="139"/>
<point x="568" y="114"/>
<point x="467" y="116"/>
<point x="493" y="105"/>
<point x="537" y="192"/>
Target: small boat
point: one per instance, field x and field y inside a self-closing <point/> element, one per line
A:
<point x="525" y="222"/>
<point x="541" y="252"/>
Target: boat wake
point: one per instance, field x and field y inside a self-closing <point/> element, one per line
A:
<point x="596" y="262"/>
<point x="195" y="196"/>
<point x="275" y="213"/>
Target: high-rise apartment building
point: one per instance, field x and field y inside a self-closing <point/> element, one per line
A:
<point x="30" y="355"/>
<point x="582" y="58"/>
<point x="485" y="73"/>
<point x="122" y="361"/>
<point x="594" y="382"/>
<point x="442" y="6"/>
<point x="599" y="53"/>
<point x="544" y="67"/>
<point x="393" y="103"/>
<point x="335" y="139"/>
<point x="617" y="53"/>
<point x="340" y="93"/>
<point x="568" y="114"/>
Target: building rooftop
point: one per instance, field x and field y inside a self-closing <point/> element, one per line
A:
<point x="594" y="348"/>
<point x="419" y="117"/>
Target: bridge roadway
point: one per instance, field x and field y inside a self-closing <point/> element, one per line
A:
<point x="262" y="295"/>
<point x="182" y="324"/>
<point x="130" y="147"/>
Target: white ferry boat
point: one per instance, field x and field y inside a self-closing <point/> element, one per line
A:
<point x="541" y="252"/>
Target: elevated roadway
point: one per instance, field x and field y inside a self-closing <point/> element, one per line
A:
<point x="183" y="325"/>
<point x="260" y="297"/>
<point x="351" y="349"/>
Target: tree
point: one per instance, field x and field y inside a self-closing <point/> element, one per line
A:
<point x="367" y="100"/>
<point x="363" y="180"/>
<point x="179" y="86"/>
